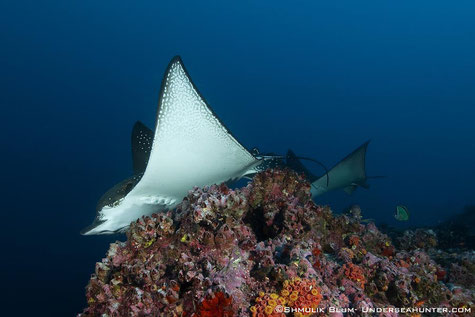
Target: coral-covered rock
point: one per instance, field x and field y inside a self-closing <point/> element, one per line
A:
<point x="417" y="239"/>
<point x="243" y="252"/>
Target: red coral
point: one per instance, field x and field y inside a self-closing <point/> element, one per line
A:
<point x="440" y="274"/>
<point x="354" y="273"/>
<point x="388" y="250"/>
<point x="354" y="241"/>
<point x="217" y="305"/>
<point x="316" y="252"/>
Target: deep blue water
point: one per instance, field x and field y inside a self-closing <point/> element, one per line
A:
<point x="319" y="77"/>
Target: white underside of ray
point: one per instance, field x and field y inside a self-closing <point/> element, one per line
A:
<point x="190" y="148"/>
<point x="350" y="171"/>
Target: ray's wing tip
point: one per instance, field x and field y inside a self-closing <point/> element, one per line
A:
<point x="175" y="60"/>
<point x="138" y="124"/>
<point x="365" y="145"/>
<point x="86" y="231"/>
<point x="290" y="152"/>
<point x="89" y="230"/>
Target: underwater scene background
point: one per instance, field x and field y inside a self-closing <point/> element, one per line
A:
<point x="318" y="77"/>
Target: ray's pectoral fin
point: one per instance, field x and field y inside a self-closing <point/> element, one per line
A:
<point x="141" y="141"/>
<point x="191" y="145"/>
<point x="347" y="174"/>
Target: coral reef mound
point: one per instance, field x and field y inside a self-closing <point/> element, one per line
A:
<point x="254" y="250"/>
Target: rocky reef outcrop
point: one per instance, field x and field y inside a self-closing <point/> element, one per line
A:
<point x="267" y="247"/>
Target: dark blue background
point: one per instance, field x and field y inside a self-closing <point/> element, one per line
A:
<point x="318" y="76"/>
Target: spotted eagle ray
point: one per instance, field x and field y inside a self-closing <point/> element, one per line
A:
<point x="347" y="174"/>
<point x="190" y="147"/>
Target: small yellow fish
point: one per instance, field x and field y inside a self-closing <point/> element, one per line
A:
<point x="185" y="238"/>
